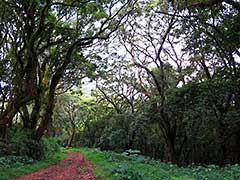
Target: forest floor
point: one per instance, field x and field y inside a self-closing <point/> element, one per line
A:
<point x="73" y="167"/>
<point x="71" y="164"/>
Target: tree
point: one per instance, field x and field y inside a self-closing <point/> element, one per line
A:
<point x="212" y="41"/>
<point x="68" y="115"/>
<point x="150" y="45"/>
<point x="42" y="44"/>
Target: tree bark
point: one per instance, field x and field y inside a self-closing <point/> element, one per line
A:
<point x="3" y="133"/>
<point x="25" y="117"/>
<point x="170" y="150"/>
<point x="37" y="135"/>
<point x="70" y="140"/>
<point x="35" y="112"/>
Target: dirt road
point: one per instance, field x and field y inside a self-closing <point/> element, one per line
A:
<point x="73" y="167"/>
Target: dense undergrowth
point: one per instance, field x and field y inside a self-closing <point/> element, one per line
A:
<point x="113" y="166"/>
<point x="24" y="156"/>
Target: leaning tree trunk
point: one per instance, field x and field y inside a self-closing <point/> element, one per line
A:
<point x="25" y="117"/>
<point x="35" y="112"/>
<point x="70" y="140"/>
<point x="5" y="119"/>
<point x="37" y="135"/>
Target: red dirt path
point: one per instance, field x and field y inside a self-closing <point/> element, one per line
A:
<point x="74" y="167"/>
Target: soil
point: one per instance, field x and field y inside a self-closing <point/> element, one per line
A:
<point x="73" y="167"/>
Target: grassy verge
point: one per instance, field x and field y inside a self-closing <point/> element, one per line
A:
<point x="12" y="172"/>
<point x="113" y="166"/>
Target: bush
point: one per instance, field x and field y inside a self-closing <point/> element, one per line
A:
<point x="4" y="149"/>
<point x="26" y="147"/>
<point x="125" y="171"/>
<point x="35" y="150"/>
<point x="14" y="161"/>
<point x="50" y="146"/>
<point x="21" y="144"/>
<point x="30" y="148"/>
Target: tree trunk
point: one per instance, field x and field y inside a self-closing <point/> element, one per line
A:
<point x="25" y="117"/>
<point x="171" y="155"/>
<point x="231" y="149"/>
<point x="3" y="133"/>
<point x="70" y="140"/>
<point x="35" y="112"/>
<point x="12" y="109"/>
<point x="168" y="130"/>
<point x="47" y="118"/>
<point x="131" y="140"/>
<point x="37" y="135"/>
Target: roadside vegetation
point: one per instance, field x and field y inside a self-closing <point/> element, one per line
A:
<point x="129" y="165"/>
<point x="23" y="156"/>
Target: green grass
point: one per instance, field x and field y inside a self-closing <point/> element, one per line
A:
<point x="12" y="172"/>
<point x="112" y="166"/>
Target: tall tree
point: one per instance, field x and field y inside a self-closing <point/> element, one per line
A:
<point x="213" y="43"/>
<point x="42" y="41"/>
<point x="147" y="44"/>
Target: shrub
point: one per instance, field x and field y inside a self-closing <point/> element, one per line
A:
<point x="50" y="146"/>
<point x="4" y="149"/>
<point x="21" y="144"/>
<point x="14" y="161"/>
<point x="125" y="171"/>
<point x="27" y="147"/>
<point x="36" y="150"/>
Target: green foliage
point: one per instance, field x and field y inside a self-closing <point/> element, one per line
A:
<point x="4" y="149"/>
<point x="110" y="166"/>
<point x="30" y="148"/>
<point x="12" y="166"/>
<point x="50" y="147"/>
<point x="125" y="171"/>
<point x="14" y="161"/>
<point x="122" y="131"/>
<point x="21" y="144"/>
